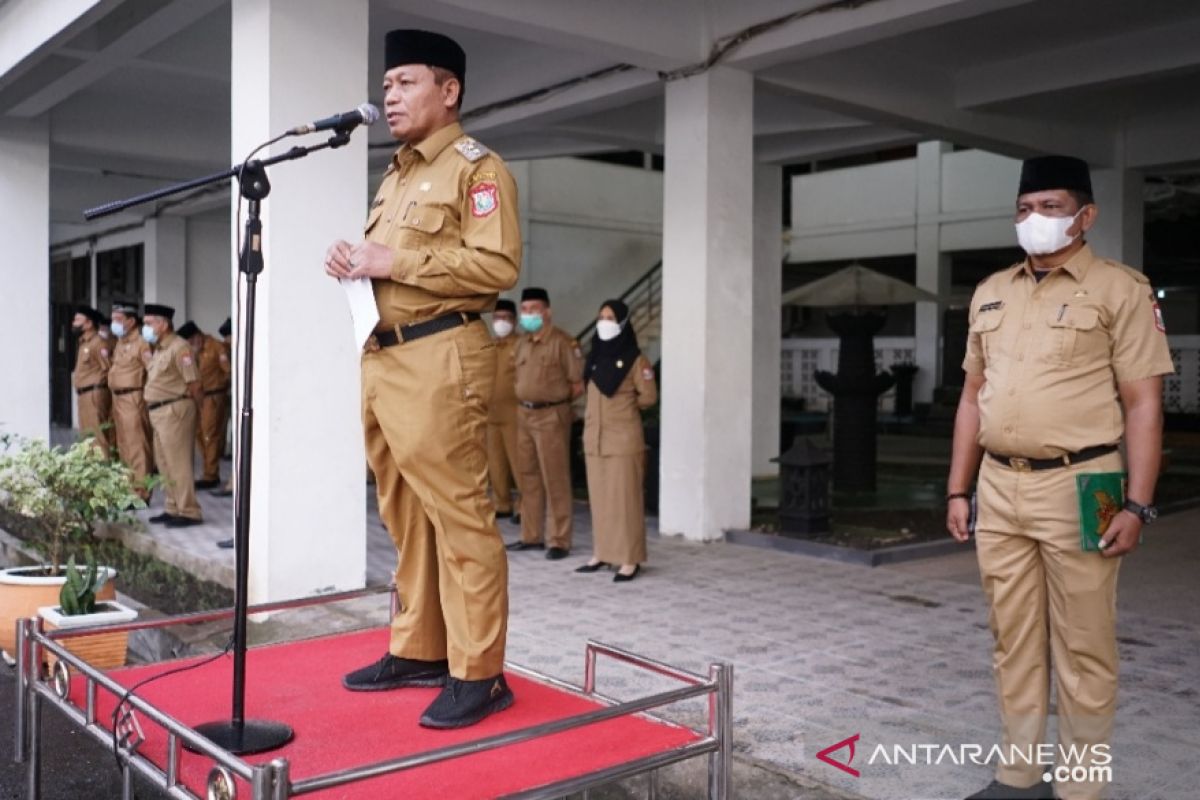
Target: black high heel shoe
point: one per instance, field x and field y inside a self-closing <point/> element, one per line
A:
<point x="591" y="567"/>
<point x="619" y="578"/>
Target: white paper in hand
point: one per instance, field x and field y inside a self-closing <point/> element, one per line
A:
<point x="363" y="310"/>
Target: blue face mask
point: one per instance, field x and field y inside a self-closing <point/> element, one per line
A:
<point x="118" y="329"/>
<point x="149" y="335"/>
<point x="531" y="323"/>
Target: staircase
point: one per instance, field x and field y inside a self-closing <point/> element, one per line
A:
<point x="644" y="299"/>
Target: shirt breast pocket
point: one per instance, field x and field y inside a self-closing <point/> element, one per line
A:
<point x="987" y="328"/>
<point x="1075" y="336"/>
<point x="373" y="218"/>
<point x="421" y="226"/>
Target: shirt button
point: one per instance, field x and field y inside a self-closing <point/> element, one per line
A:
<point x="1027" y="326"/>
<point x="416" y="220"/>
<point x="1008" y="429"/>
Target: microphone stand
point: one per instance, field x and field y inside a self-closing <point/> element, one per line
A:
<point x="237" y="734"/>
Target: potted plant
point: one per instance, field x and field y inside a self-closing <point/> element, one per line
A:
<point x="57" y="495"/>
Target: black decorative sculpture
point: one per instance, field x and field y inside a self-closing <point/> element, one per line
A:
<point x="804" y="489"/>
<point x="855" y="389"/>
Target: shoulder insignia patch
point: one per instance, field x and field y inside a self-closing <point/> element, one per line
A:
<point x="104" y="352"/>
<point x="647" y="373"/>
<point x="485" y="198"/>
<point x="1158" y="318"/>
<point x="186" y="360"/>
<point x="470" y="149"/>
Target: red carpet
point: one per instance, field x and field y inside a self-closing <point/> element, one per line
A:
<point x="300" y="684"/>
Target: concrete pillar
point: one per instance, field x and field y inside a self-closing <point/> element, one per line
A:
<point x="933" y="269"/>
<point x="25" y="276"/>
<point x="294" y="61"/>
<point x="768" y="317"/>
<point x="164" y="262"/>
<point x="708" y="280"/>
<point x="1118" y="231"/>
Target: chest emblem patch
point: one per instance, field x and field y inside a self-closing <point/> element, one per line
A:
<point x="484" y="199"/>
<point x="1158" y="319"/>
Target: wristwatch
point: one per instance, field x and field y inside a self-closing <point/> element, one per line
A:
<point x="1146" y="514"/>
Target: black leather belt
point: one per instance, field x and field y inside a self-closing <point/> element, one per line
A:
<point x="94" y="386"/>
<point x="1065" y="460"/>
<point x="536" y="406"/>
<point x="127" y="391"/>
<point x="161" y="403"/>
<point x="419" y="330"/>
<point x="215" y="392"/>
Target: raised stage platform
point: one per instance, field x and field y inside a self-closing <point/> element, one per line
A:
<point x="555" y="739"/>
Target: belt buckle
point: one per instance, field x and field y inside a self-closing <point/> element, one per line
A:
<point x="1020" y="464"/>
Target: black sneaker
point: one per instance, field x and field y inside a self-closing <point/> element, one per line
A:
<point x="555" y="553"/>
<point x="464" y="703"/>
<point x="1002" y="791"/>
<point x="393" y="672"/>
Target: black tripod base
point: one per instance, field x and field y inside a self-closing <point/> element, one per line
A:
<point x="252" y="736"/>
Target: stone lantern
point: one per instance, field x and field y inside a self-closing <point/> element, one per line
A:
<point x="804" y="489"/>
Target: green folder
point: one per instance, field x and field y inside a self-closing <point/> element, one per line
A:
<point x="1101" y="497"/>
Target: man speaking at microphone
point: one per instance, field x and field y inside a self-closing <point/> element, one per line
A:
<point x="442" y="240"/>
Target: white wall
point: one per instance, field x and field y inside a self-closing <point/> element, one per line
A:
<point x="208" y="256"/>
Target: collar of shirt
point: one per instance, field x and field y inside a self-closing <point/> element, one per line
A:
<point x="432" y="144"/>
<point x="1076" y="265"/>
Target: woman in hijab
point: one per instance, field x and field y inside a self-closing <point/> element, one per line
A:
<point x="620" y="383"/>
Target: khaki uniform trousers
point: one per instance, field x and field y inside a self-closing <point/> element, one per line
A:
<point x="210" y="433"/>
<point x="424" y="407"/>
<point x="1048" y="598"/>
<point x="95" y="412"/>
<point x="174" y="439"/>
<point x="544" y="473"/>
<point x="502" y="457"/>
<point x="133" y="436"/>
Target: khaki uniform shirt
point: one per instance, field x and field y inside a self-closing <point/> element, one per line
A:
<point x="130" y="359"/>
<point x="212" y="364"/>
<point x="1052" y="354"/>
<point x="448" y="210"/>
<point x="171" y="369"/>
<point x="92" y="361"/>
<point x="503" y="409"/>
<point x="613" y="425"/>
<point x="546" y="365"/>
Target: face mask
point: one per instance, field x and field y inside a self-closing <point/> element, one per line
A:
<point x="118" y="329"/>
<point x="1040" y="235"/>
<point x="502" y="327"/>
<point x="531" y="323"/>
<point x="77" y="330"/>
<point x="607" y="330"/>
<point x="149" y="335"/>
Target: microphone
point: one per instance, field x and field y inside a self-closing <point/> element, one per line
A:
<point x="366" y="114"/>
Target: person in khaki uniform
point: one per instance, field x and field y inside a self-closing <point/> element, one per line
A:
<point x="502" y="412"/>
<point x="1065" y="357"/>
<point x="442" y="241"/>
<point x="620" y="383"/>
<point x="549" y="375"/>
<point x="90" y="377"/>
<point x="172" y="396"/>
<point x="226" y="489"/>
<point x="126" y="381"/>
<point x="213" y="366"/>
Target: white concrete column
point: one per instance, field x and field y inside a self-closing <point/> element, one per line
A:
<point x="768" y="316"/>
<point x="294" y="61"/>
<point x="164" y="261"/>
<point x="933" y="269"/>
<point x="1118" y="231"/>
<point x="25" y="276"/>
<point x="708" y="280"/>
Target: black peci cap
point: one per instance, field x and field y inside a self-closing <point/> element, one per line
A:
<point x="159" y="310"/>
<point x="506" y="305"/>
<point x="412" y="46"/>
<point x="95" y="316"/>
<point x="1055" y="172"/>
<point x="226" y="327"/>
<point x="188" y="330"/>
<point x="535" y="293"/>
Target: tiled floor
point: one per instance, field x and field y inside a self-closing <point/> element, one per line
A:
<point x="823" y="650"/>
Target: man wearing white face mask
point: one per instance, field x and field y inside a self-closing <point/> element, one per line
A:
<point x="1065" y="358"/>
<point x="502" y="412"/>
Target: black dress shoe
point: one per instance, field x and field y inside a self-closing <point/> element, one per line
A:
<point x="207" y="483"/>
<point x="503" y="514"/>
<point x="556" y="553"/>
<point x="1002" y="791"/>
<point x="621" y="577"/>
<point x="516" y="518"/>
<point x="518" y="546"/>
<point x="183" y="522"/>
<point x="393" y="672"/>
<point x="599" y="565"/>
<point x="222" y="492"/>
<point x="225" y="544"/>
<point x="163" y="517"/>
<point x="464" y="703"/>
